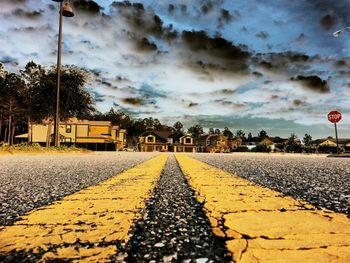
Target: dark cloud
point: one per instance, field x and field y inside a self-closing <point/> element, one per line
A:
<point x="340" y="63"/>
<point x="263" y="35"/>
<point x="257" y="74"/>
<point x="206" y="8"/>
<point x="225" y="92"/>
<point x="96" y="72"/>
<point x="192" y="104"/>
<point x="31" y="14"/>
<point x="283" y="61"/>
<point x="87" y="6"/>
<point x="134" y="101"/>
<point x="328" y="21"/>
<point x="9" y="60"/>
<point x="183" y="9"/>
<point x="313" y="83"/>
<point x="301" y="37"/>
<point x="145" y="45"/>
<point x="298" y="103"/>
<point x="140" y="19"/>
<point x="338" y="11"/>
<point x="231" y="104"/>
<point x="229" y="56"/>
<point x="225" y="16"/>
<point x="171" y="9"/>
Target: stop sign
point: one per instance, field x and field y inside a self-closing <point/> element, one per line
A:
<point x="334" y="116"/>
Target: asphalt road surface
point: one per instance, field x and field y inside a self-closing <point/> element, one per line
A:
<point x="323" y="182"/>
<point x="28" y="182"/>
<point x="151" y="207"/>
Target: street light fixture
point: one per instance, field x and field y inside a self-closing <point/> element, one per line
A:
<point x="338" y="32"/>
<point x="67" y="11"/>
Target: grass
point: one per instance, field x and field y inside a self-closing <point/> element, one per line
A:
<point x="36" y="148"/>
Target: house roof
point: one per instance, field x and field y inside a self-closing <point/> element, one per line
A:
<point x="158" y="136"/>
<point x="342" y="141"/>
<point x="328" y="143"/>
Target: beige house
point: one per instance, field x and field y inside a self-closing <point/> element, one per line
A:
<point x="93" y="135"/>
<point x="185" y="144"/>
<point x="154" y="141"/>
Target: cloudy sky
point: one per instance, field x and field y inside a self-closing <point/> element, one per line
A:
<point x="251" y="65"/>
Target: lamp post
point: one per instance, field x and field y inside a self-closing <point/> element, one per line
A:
<point x="65" y="10"/>
<point x="338" y="32"/>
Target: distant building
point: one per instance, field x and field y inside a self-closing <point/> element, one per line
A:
<point x="155" y="141"/>
<point x="272" y="142"/>
<point x="93" y="135"/>
<point x="185" y="144"/>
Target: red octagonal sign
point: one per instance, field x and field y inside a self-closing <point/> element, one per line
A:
<point x="334" y="116"/>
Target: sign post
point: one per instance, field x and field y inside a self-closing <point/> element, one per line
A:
<point x="334" y="117"/>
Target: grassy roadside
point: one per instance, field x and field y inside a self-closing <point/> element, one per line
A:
<point x="35" y="148"/>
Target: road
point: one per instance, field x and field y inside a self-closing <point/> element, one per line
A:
<point x="149" y="207"/>
<point x="322" y="181"/>
<point x="29" y="181"/>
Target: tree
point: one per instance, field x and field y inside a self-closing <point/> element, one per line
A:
<point x="307" y="139"/>
<point x="240" y="134"/>
<point x="75" y="100"/>
<point x="3" y="73"/>
<point x="119" y="118"/>
<point x="13" y="110"/>
<point x="293" y="145"/>
<point x="196" y="131"/>
<point x="178" y="130"/>
<point x="228" y="133"/>
<point x="250" y="136"/>
<point x="262" y="134"/>
<point x="31" y="76"/>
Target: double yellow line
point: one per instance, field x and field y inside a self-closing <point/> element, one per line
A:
<point x="83" y="226"/>
<point x="259" y="225"/>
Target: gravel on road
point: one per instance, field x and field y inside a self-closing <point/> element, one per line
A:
<point x="30" y="181"/>
<point x="323" y="182"/>
<point x="174" y="227"/>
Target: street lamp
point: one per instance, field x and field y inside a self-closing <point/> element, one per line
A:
<point x="67" y="11"/>
<point x="338" y="32"/>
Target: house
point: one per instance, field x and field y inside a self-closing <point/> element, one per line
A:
<point x="93" y="135"/>
<point x="185" y="144"/>
<point x="155" y="141"/>
<point x="273" y="143"/>
<point x="213" y="143"/>
<point x="325" y="144"/>
<point x="252" y="142"/>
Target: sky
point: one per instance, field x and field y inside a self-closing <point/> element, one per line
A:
<point x="251" y="65"/>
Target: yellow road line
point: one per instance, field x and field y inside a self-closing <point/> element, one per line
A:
<point x="262" y="225"/>
<point x="95" y="217"/>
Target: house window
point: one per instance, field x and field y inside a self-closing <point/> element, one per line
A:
<point x="68" y="128"/>
<point x="188" y="140"/>
<point x="150" y="139"/>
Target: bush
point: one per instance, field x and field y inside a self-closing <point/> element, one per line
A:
<point x="327" y="149"/>
<point x="262" y="148"/>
